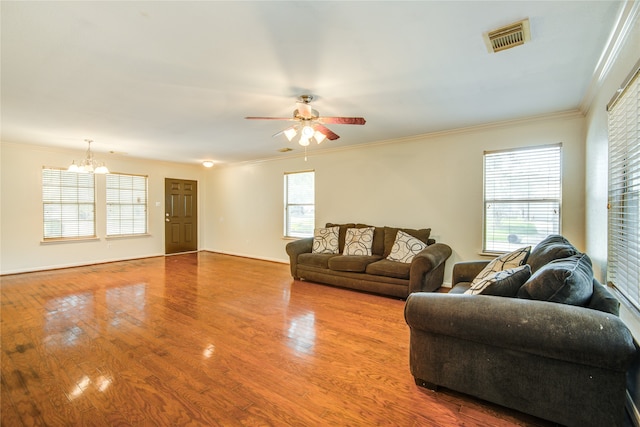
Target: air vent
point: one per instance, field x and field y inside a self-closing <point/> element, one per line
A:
<point x="507" y="37"/>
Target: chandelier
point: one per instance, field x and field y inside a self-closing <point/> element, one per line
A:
<point x="88" y="164"/>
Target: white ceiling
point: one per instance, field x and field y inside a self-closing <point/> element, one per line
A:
<point x="173" y="80"/>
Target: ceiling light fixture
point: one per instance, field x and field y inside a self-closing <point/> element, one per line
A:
<point x="207" y="164"/>
<point x="88" y="164"/>
<point x="307" y="134"/>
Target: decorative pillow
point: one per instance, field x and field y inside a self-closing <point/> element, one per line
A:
<point x="554" y="246"/>
<point x="391" y="232"/>
<point x="503" y="262"/>
<point x="325" y="240"/>
<point x="505" y="283"/>
<point x="567" y="281"/>
<point x="405" y="248"/>
<point x="358" y="241"/>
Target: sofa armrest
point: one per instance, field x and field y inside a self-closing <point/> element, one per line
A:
<point x="466" y="271"/>
<point x="427" y="268"/>
<point x="296" y="248"/>
<point x="551" y="330"/>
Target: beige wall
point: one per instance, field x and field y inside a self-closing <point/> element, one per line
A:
<point x="21" y="247"/>
<point x="431" y="181"/>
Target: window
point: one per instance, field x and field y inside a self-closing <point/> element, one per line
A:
<point x="299" y="196"/>
<point x="126" y="204"/>
<point x="522" y="197"/>
<point x="68" y="200"/>
<point x="623" y="270"/>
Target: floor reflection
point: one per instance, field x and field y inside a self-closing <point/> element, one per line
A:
<point x="302" y="333"/>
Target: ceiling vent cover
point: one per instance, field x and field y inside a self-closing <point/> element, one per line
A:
<point x="508" y="36"/>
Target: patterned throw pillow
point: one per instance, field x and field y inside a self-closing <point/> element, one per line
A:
<point x="325" y="240"/>
<point x="358" y="241"/>
<point x="504" y="283"/>
<point x="504" y="262"/>
<point x="405" y="247"/>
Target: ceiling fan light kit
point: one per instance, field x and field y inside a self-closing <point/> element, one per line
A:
<point x="311" y="126"/>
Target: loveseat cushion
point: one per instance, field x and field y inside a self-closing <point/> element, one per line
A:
<point x="390" y="237"/>
<point x="315" y="260"/>
<point x="386" y="268"/>
<point x="353" y="263"/>
<point x="567" y="280"/>
<point x="552" y="247"/>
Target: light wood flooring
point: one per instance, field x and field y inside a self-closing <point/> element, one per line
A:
<point x="214" y="340"/>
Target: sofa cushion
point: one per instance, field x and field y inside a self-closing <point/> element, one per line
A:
<point x="358" y="241"/>
<point x="353" y="263"/>
<point x="405" y="248"/>
<point x="503" y="262"/>
<point x="567" y="280"/>
<point x="377" y="246"/>
<point x="386" y="268"/>
<point x="505" y="283"/>
<point x="390" y="237"/>
<point x="325" y="240"/>
<point x="315" y="260"/>
<point x="552" y="247"/>
<point x="342" y="232"/>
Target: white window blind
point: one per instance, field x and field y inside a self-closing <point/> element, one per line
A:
<point x="68" y="200"/>
<point x="299" y="199"/>
<point x="623" y="270"/>
<point x="522" y="196"/>
<point x="126" y="204"/>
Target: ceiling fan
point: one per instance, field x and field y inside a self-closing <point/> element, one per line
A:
<point x="310" y="125"/>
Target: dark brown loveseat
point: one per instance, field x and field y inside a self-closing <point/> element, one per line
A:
<point x="554" y="348"/>
<point x="372" y="273"/>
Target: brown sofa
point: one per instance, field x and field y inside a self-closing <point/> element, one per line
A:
<point x="372" y="273"/>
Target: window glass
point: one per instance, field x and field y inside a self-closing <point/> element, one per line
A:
<point x="299" y="204"/>
<point x="68" y="201"/>
<point x="126" y="204"/>
<point x="522" y="197"/>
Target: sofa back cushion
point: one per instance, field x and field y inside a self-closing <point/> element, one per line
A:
<point x="567" y="280"/>
<point x="391" y="232"/>
<point x="603" y="300"/>
<point x="552" y="247"/>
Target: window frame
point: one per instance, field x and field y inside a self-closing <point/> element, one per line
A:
<point x="528" y="231"/>
<point x="288" y="204"/>
<point x="120" y="204"/>
<point x="623" y="189"/>
<point x="51" y="200"/>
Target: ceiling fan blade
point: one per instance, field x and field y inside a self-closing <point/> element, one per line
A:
<point x="343" y="120"/>
<point x="326" y="131"/>
<point x="269" y="118"/>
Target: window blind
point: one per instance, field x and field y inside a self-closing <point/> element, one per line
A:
<point x="623" y="269"/>
<point x="299" y="204"/>
<point x="522" y="197"/>
<point x="68" y="200"/>
<point x="126" y="204"/>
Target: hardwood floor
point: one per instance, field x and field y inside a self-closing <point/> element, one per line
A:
<point x="210" y="339"/>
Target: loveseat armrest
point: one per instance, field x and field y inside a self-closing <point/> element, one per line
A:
<point x="466" y="271"/>
<point x="295" y="248"/>
<point x="427" y="268"/>
<point x="551" y="330"/>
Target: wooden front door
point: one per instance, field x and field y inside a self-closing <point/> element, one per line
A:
<point x="181" y="215"/>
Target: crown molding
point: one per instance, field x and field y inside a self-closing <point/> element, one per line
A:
<point x="627" y="17"/>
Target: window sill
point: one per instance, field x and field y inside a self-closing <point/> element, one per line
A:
<point x="69" y="240"/>
<point x="126" y="236"/>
